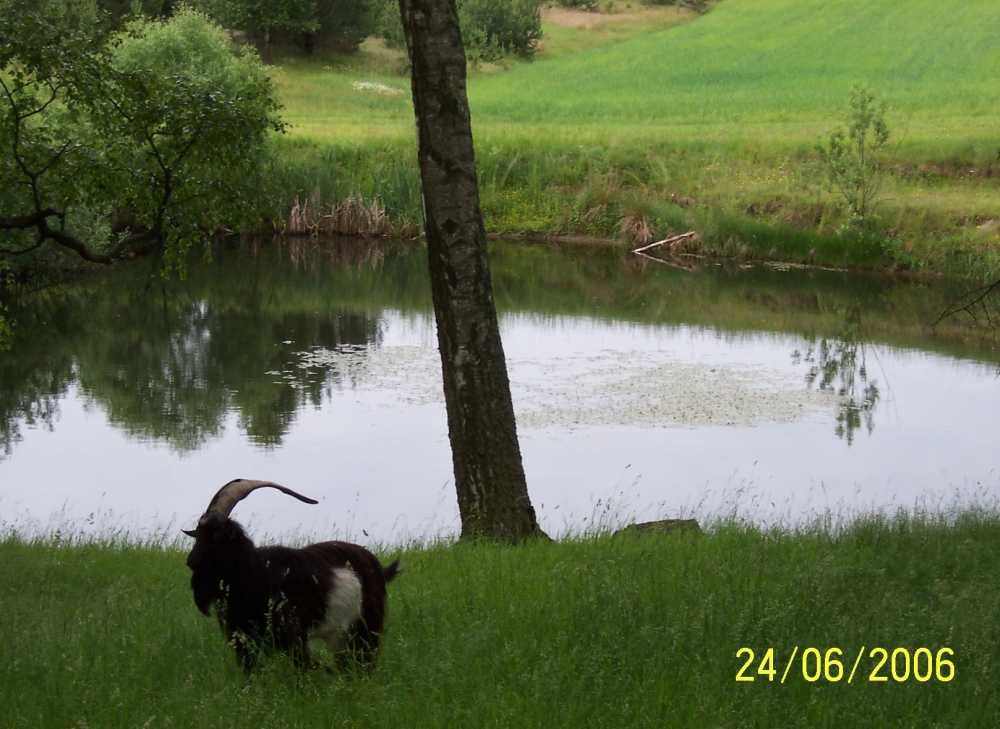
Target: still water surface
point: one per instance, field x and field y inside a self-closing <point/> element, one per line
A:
<point x="641" y="392"/>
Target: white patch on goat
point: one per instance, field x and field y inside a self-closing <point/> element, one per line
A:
<point x="343" y="608"/>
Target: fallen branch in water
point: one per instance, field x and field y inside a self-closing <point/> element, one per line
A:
<point x="670" y="242"/>
<point x="689" y="269"/>
<point x="790" y="265"/>
<point x="971" y="301"/>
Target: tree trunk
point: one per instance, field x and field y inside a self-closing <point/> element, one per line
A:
<point x="492" y="493"/>
<point x="266" y="52"/>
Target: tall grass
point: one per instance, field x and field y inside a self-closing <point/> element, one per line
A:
<point x="740" y="208"/>
<point x="638" y="631"/>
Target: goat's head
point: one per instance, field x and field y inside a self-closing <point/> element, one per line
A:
<point x="221" y="547"/>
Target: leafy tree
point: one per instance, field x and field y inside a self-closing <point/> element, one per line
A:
<point x="851" y="157"/>
<point x="260" y="19"/>
<point x="342" y="23"/>
<point x="134" y="143"/>
<point x="580" y="4"/>
<point x="117" y="10"/>
<point x="47" y="68"/>
<point x="490" y="29"/>
<point x="199" y="109"/>
<point x="700" y="6"/>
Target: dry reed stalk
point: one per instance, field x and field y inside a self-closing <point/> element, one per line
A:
<point x="303" y="218"/>
<point x="636" y="228"/>
<point x="356" y="216"/>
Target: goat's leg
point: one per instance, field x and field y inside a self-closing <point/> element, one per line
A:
<point x="361" y="647"/>
<point x="247" y="653"/>
<point x="299" y="651"/>
<point x="345" y="651"/>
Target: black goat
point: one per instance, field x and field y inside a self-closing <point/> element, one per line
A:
<point x="278" y="598"/>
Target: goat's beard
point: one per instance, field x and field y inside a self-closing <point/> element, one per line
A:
<point x="206" y="590"/>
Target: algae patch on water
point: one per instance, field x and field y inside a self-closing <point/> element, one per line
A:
<point x="603" y="388"/>
<point x="647" y="389"/>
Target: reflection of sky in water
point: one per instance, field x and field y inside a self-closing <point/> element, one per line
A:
<point x="620" y="421"/>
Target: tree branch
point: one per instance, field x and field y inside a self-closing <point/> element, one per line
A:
<point x="39" y="221"/>
<point x="969" y="301"/>
<point x="37" y="244"/>
<point x="19" y="222"/>
<point x="74" y="244"/>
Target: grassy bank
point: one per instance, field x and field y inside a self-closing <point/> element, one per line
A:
<point x="638" y="631"/>
<point x="677" y="121"/>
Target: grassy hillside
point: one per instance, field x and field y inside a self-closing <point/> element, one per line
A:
<point x="678" y="121"/>
<point x="776" y="71"/>
<point x="609" y="632"/>
<point x="321" y="101"/>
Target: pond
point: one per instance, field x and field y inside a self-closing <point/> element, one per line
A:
<point x="641" y="392"/>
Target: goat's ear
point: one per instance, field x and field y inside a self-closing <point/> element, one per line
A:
<point x="191" y="533"/>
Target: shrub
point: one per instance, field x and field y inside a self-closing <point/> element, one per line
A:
<point x="700" y="6"/>
<point x="117" y="10"/>
<point x="579" y="4"/>
<point x="851" y="158"/>
<point x="342" y="23"/>
<point x="490" y="28"/>
<point x="260" y="21"/>
<point x="493" y="28"/>
<point x="212" y="105"/>
<point x="388" y="24"/>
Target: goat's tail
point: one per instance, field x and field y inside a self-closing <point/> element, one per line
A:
<point x="392" y="571"/>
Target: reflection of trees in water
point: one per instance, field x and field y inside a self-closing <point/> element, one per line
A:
<point x="176" y="380"/>
<point x="151" y="373"/>
<point x="185" y="360"/>
<point x="34" y="401"/>
<point x="172" y="367"/>
<point x="840" y="366"/>
<point x="35" y="377"/>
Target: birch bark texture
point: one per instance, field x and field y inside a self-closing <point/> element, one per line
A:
<point x="492" y="492"/>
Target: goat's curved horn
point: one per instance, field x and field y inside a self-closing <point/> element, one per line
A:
<point x="238" y="489"/>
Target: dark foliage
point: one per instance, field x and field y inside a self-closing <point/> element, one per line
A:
<point x="490" y="29"/>
<point x="117" y="10"/>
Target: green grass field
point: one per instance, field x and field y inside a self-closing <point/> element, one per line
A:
<point x="667" y="121"/>
<point x="601" y="632"/>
